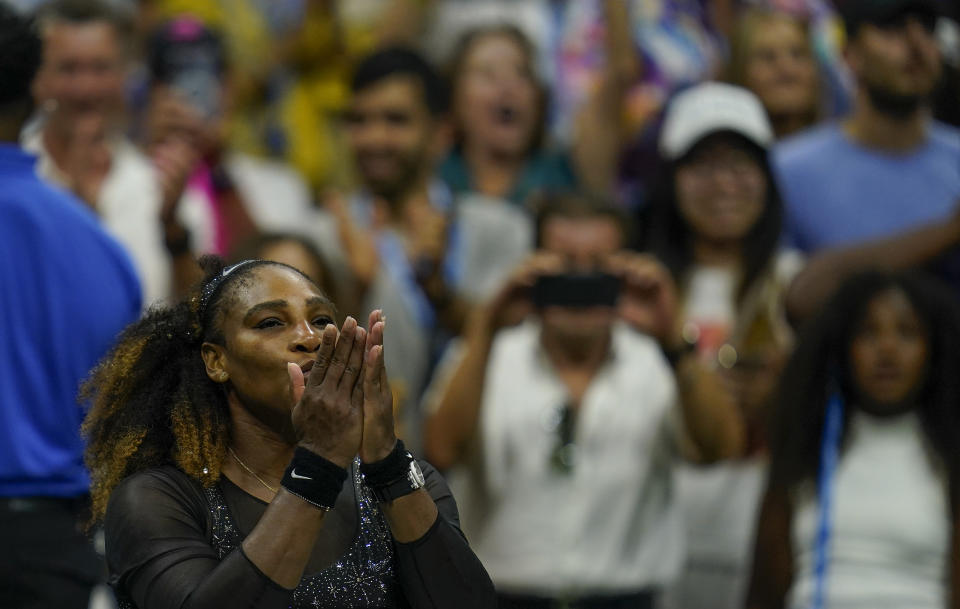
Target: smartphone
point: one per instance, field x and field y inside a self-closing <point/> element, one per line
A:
<point x="201" y="88"/>
<point x="576" y="290"/>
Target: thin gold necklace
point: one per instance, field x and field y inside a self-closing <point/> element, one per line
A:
<point x="250" y="471"/>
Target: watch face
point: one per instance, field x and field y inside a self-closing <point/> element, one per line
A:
<point x="415" y="476"/>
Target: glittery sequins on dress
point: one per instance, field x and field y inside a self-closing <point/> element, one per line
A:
<point x="363" y="577"/>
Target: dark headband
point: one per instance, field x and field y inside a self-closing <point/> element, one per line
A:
<point x="209" y="290"/>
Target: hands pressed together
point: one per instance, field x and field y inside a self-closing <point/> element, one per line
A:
<point x="344" y="406"/>
<point x="426" y="238"/>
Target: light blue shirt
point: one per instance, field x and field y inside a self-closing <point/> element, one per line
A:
<point x="838" y="192"/>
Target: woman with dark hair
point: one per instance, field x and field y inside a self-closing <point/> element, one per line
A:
<point x="717" y="203"/>
<point x="715" y="223"/>
<point x="243" y="454"/>
<point x="861" y="505"/>
<point x="500" y="114"/>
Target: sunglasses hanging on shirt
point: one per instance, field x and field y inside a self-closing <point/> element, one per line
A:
<point x="564" y="454"/>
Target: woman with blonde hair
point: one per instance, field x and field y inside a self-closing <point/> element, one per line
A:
<point x="771" y="54"/>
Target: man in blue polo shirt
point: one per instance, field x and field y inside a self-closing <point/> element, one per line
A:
<point x="66" y="291"/>
<point x="887" y="169"/>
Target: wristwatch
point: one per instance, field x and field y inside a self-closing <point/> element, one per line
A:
<point x="402" y="486"/>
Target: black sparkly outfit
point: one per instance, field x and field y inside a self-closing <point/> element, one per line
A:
<point x="362" y="577"/>
<point x="172" y="543"/>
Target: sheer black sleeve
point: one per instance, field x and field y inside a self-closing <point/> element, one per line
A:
<point x="157" y="531"/>
<point x="440" y="570"/>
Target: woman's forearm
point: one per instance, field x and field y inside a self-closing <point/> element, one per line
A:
<point x="439" y="570"/>
<point x="449" y="429"/>
<point x="827" y="269"/>
<point x="598" y="124"/>
<point x="410" y="516"/>
<point x="711" y="417"/>
<point x="281" y="543"/>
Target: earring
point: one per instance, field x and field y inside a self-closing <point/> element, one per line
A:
<point x="222" y="377"/>
<point x="50" y="105"/>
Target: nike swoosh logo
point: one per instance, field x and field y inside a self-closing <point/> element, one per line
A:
<point x="294" y="474"/>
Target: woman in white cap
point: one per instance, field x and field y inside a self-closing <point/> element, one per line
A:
<point x="715" y="221"/>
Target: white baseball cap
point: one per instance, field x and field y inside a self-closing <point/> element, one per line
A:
<point x="708" y="108"/>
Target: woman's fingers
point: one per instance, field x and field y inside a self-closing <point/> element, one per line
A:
<point x="376" y="334"/>
<point x="341" y="353"/>
<point x="356" y="396"/>
<point x="328" y="342"/>
<point x="375" y="316"/>
<point x="296" y="381"/>
<point x="351" y="372"/>
<point x="375" y="385"/>
<point x="382" y="382"/>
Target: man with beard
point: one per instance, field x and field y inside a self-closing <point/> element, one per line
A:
<point x="414" y="250"/>
<point x="80" y="141"/>
<point x="882" y="187"/>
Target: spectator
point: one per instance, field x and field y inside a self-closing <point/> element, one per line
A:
<point x="499" y="111"/>
<point x="297" y="57"/>
<point x="771" y="54"/>
<point x="412" y="248"/>
<point x="319" y="49"/>
<point x="80" y="142"/>
<point x="861" y="505"/>
<point x="567" y="423"/>
<point x="66" y="291"/>
<point x="715" y="221"/>
<point x="881" y="187"/>
<point x="230" y="196"/>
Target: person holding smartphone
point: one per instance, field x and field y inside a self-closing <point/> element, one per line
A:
<point x="229" y="197"/>
<point x="567" y="422"/>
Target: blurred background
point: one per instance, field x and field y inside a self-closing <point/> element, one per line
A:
<point x="703" y="181"/>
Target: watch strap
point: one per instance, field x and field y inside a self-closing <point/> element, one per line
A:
<point x="400" y="487"/>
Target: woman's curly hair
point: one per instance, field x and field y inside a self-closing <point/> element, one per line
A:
<point x="152" y="402"/>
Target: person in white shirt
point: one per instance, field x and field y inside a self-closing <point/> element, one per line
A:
<point x="568" y="422"/>
<point x="716" y="221"/>
<point x="861" y="503"/>
<point x="80" y="143"/>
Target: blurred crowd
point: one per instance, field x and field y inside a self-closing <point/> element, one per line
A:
<point x="672" y="285"/>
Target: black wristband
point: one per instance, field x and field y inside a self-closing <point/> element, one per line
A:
<point x="314" y="479"/>
<point x="389" y="469"/>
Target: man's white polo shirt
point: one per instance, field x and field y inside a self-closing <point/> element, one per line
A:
<point x="610" y="525"/>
